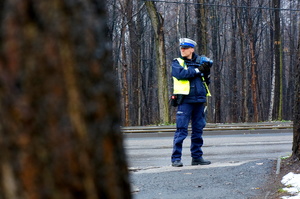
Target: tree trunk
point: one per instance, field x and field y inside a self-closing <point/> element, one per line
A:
<point x="245" y="111"/>
<point x="272" y="92"/>
<point x="178" y="14"/>
<point x="216" y="67"/>
<point x="254" y="80"/>
<point x="123" y="70"/>
<point x="296" y="130"/>
<point x="201" y="27"/>
<point x="157" y="24"/>
<point x="278" y="63"/>
<point x="254" y="89"/>
<point x="234" y="106"/>
<point x="125" y="96"/>
<point x="59" y="127"/>
<point x="272" y="60"/>
<point x="135" y="57"/>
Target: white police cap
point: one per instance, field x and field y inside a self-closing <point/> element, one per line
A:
<point x="185" y="42"/>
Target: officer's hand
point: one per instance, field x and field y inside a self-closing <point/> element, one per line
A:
<point x="205" y="64"/>
<point x="205" y="67"/>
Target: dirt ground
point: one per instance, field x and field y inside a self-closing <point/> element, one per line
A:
<point x="273" y="189"/>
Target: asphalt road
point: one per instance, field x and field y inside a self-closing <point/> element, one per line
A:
<point x="241" y="164"/>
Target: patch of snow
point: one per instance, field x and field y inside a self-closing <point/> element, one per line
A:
<point x="292" y="183"/>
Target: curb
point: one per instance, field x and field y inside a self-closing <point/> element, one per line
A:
<point x="278" y="166"/>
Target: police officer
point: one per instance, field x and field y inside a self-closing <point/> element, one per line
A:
<point x="191" y="74"/>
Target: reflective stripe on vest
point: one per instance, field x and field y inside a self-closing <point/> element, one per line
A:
<point x="181" y="86"/>
<point x="206" y="87"/>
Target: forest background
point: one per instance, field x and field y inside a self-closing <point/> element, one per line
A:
<point x="253" y="44"/>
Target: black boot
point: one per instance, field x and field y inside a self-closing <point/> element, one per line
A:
<point x="200" y="161"/>
<point x="177" y="163"/>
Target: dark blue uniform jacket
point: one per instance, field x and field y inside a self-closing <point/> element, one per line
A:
<point x="197" y="90"/>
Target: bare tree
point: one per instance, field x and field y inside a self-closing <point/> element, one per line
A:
<point x="59" y="110"/>
<point x="157" y="24"/>
<point x="278" y="62"/>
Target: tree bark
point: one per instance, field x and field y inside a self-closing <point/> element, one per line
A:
<point x="157" y="24"/>
<point x="59" y="127"/>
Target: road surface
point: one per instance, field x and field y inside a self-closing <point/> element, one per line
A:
<point x="241" y="164"/>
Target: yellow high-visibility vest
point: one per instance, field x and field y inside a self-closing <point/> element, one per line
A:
<point x="183" y="86"/>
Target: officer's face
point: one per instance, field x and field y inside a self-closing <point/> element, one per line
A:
<point x="186" y="52"/>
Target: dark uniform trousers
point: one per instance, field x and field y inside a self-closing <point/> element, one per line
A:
<point x="185" y="113"/>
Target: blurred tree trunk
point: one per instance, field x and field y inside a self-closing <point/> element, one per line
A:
<point x="59" y="127"/>
<point x="296" y="130"/>
<point x="157" y="24"/>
